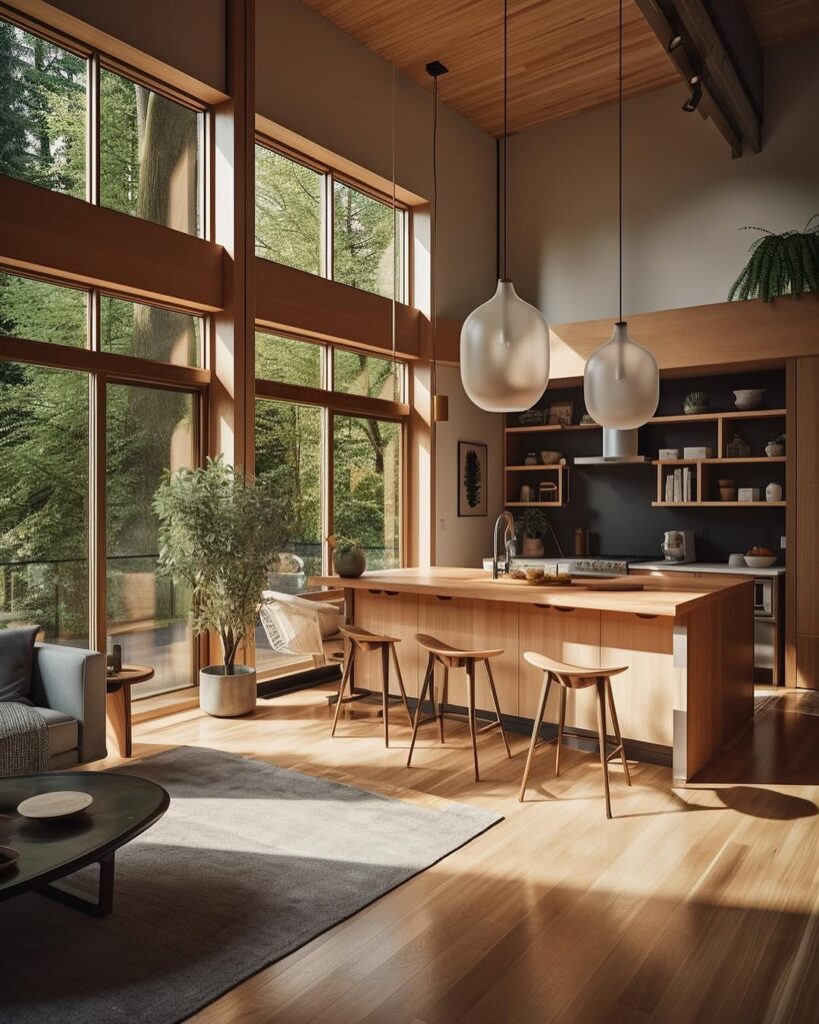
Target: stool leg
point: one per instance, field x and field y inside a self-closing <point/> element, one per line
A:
<point x="444" y="699"/>
<point x="424" y="685"/>
<point x="601" y="730"/>
<point x="489" y="676"/>
<point x="385" y="691"/>
<point x="616" y="726"/>
<point x="400" y="679"/>
<point x="344" y="680"/>
<point x="470" y="700"/>
<point x="560" y="724"/>
<point x="541" y="710"/>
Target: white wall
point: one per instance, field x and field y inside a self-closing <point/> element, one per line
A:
<point x="187" y="34"/>
<point x="685" y="197"/>
<point x="321" y="83"/>
<point x="465" y="540"/>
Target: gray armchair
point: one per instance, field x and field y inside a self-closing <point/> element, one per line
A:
<point x="68" y="690"/>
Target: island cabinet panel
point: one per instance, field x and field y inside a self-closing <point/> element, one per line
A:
<point x="395" y="615"/>
<point x="475" y="624"/>
<point x="643" y="694"/>
<point x="567" y="634"/>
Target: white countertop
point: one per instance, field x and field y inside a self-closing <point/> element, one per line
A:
<point x="720" y="567"/>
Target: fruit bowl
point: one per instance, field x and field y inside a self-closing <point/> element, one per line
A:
<point x="759" y="561"/>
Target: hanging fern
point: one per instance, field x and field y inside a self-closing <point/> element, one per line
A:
<point x="786" y="264"/>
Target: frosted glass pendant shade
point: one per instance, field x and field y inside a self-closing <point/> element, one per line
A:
<point x="621" y="382"/>
<point x="505" y="353"/>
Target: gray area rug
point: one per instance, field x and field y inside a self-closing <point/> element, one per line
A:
<point x="250" y="863"/>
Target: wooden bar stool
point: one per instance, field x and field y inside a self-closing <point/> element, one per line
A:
<point x="363" y="640"/>
<point x="454" y="657"/>
<point x="570" y="677"/>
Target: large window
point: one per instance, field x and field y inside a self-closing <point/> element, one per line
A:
<point x="43" y="104"/>
<point x="40" y="311"/>
<point x="149" y="148"/>
<point x="309" y="219"/>
<point x="356" y="373"/>
<point x="44" y="501"/>
<point x="150" y="332"/>
<point x="288" y="361"/>
<point x="148" y="430"/>
<point x="367" y="486"/>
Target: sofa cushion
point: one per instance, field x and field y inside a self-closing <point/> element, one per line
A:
<point x="16" y="662"/>
<point x="63" y="733"/>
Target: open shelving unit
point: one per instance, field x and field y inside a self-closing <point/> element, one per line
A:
<point x="702" y="486"/>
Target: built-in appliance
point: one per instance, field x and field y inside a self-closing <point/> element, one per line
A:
<point x="768" y="646"/>
<point x="591" y="565"/>
<point x="619" y="448"/>
<point x="678" y="546"/>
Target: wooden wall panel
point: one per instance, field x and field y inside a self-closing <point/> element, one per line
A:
<point x="572" y="636"/>
<point x="641" y="693"/>
<point x="807" y="566"/>
<point x="807" y="661"/>
<point x="49" y="233"/>
<point x="297" y="302"/>
<point x="395" y="615"/>
<point x="476" y="624"/>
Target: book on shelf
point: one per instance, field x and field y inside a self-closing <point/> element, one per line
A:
<point x="669" y="488"/>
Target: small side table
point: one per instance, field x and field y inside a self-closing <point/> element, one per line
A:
<point x="118" y="702"/>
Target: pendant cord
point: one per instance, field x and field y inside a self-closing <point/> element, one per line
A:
<point x="620" y="163"/>
<point x="434" y="246"/>
<point x="505" y="119"/>
<point x="394" y="229"/>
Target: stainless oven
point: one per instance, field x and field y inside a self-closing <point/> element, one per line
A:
<point x="765" y="597"/>
<point x="768" y="635"/>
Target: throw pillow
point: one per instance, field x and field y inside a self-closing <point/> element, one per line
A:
<point x="16" y="662"/>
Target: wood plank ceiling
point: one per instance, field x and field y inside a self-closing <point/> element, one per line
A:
<point x="562" y="53"/>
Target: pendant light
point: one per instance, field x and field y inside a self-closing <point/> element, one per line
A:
<point x="505" y="342"/>
<point x="440" y="403"/>
<point x="621" y="382"/>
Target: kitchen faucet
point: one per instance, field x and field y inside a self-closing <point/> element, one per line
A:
<point x="509" y="543"/>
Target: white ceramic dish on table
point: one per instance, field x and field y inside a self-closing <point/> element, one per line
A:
<point x="53" y="806"/>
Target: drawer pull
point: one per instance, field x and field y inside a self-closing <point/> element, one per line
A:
<point x="373" y="591"/>
<point x="392" y="593"/>
<point x="563" y="608"/>
<point x="645" y="615"/>
<point x="444" y="597"/>
<point x="543" y="607"/>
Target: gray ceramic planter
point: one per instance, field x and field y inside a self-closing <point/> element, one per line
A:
<point x="226" y="696"/>
<point x="350" y="563"/>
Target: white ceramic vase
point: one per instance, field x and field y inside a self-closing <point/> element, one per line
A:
<point x="773" y="492"/>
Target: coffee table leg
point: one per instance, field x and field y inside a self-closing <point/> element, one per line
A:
<point x="66" y="893"/>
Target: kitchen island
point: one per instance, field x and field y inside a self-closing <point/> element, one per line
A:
<point x="687" y="642"/>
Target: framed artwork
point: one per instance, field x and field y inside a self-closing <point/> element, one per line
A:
<point x="560" y="413"/>
<point x="472" y="478"/>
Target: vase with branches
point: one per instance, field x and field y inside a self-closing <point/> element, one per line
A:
<point x="784" y="264"/>
<point x="219" y="535"/>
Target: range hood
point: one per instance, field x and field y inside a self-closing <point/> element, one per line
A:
<point x="619" y="448"/>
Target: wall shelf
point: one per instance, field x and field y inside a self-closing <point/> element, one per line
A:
<point x="534" y="504"/>
<point x="535" y="468"/>
<point x="714" y="462"/>
<point x="719" y="504"/>
<point x="544" y="428"/>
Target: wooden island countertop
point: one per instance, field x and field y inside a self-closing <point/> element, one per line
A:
<point x="685" y="642"/>
<point x="665" y="594"/>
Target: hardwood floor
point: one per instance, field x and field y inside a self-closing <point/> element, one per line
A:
<point x="691" y="905"/>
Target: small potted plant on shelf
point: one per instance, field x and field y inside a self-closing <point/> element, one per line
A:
<point x="532" y="522"/>
<point x="349" y="557"/>
<point x="775" y="447"/>
<point x="695" y="403"/>
<point x="220" y="535"/>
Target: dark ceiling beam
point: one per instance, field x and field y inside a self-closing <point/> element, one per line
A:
<point x="714" y="49"/>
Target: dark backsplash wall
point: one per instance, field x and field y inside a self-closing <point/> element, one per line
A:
<point x="614" y="502"/>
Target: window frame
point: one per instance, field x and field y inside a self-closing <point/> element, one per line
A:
<point x="98" y="59"/>
<point x="330" y="175"/>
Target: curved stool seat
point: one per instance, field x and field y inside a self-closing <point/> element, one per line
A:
<point x="456" y="657"/>
<point x="359" y="639"/>
<point x="573" y="677"/>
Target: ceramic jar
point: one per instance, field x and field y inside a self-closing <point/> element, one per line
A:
<point x="773" y="492"/>
<point x="532" y="547"/>
<point x="727" y="490"/>
<point x="350" y="563"/>
<point x="774" y="450"/>
<point x="530" y="460"/>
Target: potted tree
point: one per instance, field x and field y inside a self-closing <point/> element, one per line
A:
<point x="532" y="523"/>
<point x="219" y="535"/>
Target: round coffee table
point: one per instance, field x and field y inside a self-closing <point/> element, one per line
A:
<point x="123" y="807"/>
<point x="118" y="703"/>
